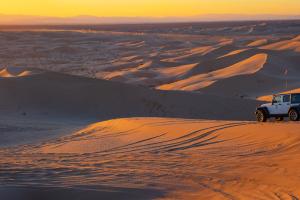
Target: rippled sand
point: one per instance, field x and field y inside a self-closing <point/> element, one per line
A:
<point x="173" y="158"/>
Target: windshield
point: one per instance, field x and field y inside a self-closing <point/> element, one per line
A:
<point x="277" y="99"/>
<point x="295" y="98"/>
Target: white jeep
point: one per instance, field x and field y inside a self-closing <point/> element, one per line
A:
<point x="283" y="105"/>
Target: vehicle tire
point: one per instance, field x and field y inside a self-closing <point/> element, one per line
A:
<point x="261" y="116"/>
<point x="294" y="115"/>
<point x="279" y="119"/>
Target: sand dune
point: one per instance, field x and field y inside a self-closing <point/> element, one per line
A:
<point x="225" y="159"/>
<point x="258" y="43"/>
<point x="248" y="66"/>
<point x="26" y="73"/>
<point x="17" y="72"/>
<point x="176" y="71"/>
<point x="145" y="65"/>
<point x="271" y="79"/>
<point x="5" y="74"/>
<point x="112" y="75"/>
<point x="23" y="129"/>
<point x="192" y="52"/>
<point x="54" y="94"/>
<point x="233" y="53"/>
<point x="297" y="38"/>
<point x="137" y="54"/>
<point x="126" y="73"/>
<point x="293" y="44"/>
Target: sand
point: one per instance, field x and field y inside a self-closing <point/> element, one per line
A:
<point x="233" y="53"/>
<point x="176" y="71"/>
<point x="10" y="72"/>
<point x="258" y="43"/>
<point x="5" y="74"/>
<point x="173" y="158"/>
<point x="144" y="54"/>
<point x="248" y="66"/>
<point x="153" y="111"/>
<point x="55" y="95"/>
<point x="293" y="44"/>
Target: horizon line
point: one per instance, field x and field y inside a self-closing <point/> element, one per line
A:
<point x="16" y="20"/>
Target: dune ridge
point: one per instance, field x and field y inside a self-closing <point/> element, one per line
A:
<point x="176" y="71"/>
<point x="293" y="44"/>
<point x="12" y="72"/>
<point x="26" y="73"/>
<point x="248" y="66"/>
<point x="136" y="54"/>
<point x="233" y="53"/>
<point x="5" y="74"/>
<point x="55" y="94"/>
<point x="192" y="52"/>
<point x="257" y="43"/>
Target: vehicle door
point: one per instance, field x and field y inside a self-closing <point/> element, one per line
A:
<point x="283" y="108"/>
<point x="276" y="103"/>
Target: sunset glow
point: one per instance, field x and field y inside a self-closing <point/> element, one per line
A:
<point x="153" y="8"/>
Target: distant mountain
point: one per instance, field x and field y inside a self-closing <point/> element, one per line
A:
<point x="85" y="19"/>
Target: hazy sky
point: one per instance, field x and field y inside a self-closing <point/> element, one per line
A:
<point x="152" y="8"/>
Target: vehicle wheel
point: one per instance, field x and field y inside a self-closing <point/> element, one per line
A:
<point x="279" y="119"/>
<point x="294" y="115"/>
<point x="261" y="116"/>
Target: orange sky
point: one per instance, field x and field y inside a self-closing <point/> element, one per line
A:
<point x="152" y="8"/>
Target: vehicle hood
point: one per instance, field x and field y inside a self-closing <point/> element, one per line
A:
<point x="266" y="105"/>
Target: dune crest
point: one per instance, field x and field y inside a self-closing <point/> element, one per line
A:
<point x="26" y="73"/>
<point x="192" y="52"/>
<point x="145" y="65"/>
<point x="258" y="43"/>
<point x="128" y="72"/>
<point x="176" y="71"/>
<point x="196" y="82"/>
<point x="233" y="53"/>
<point x="297" y="38"/>
<point x="293" y="45"/>
<point x="12" y="72"/>
<point x="101" y="99"/>
<point x="4" y="73"/>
